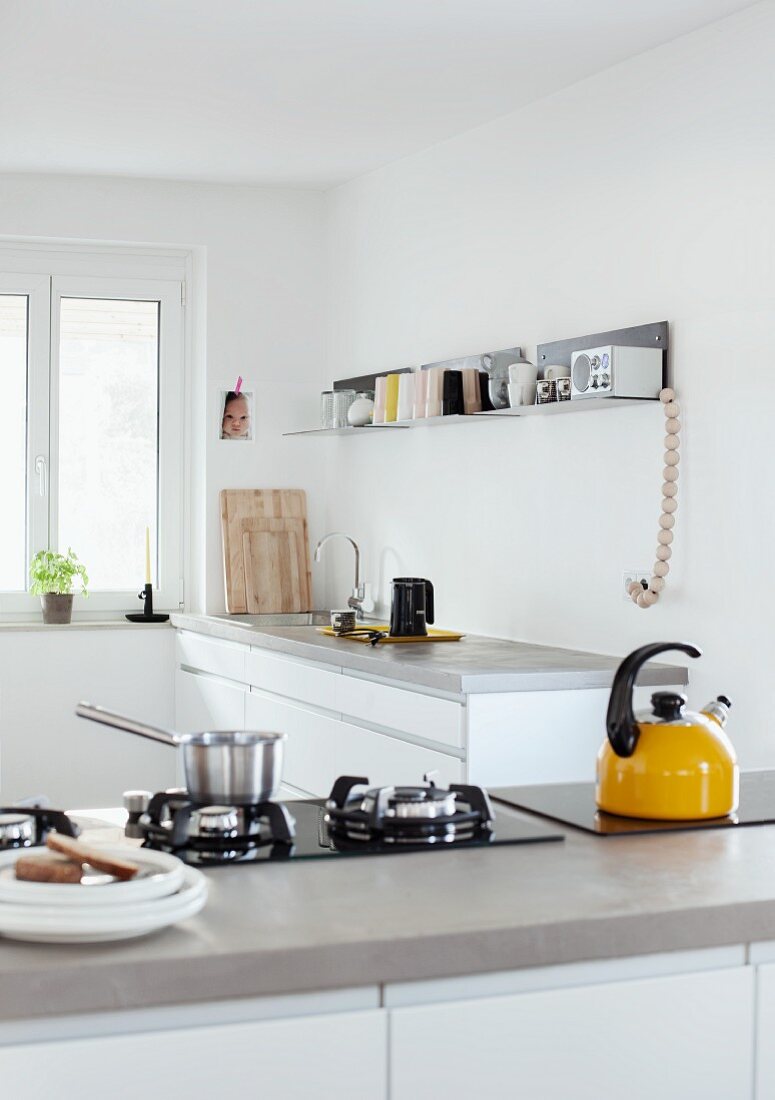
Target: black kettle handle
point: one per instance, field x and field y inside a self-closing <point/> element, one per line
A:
<point x="620" y="719"/>
<point x="429" y="608"/>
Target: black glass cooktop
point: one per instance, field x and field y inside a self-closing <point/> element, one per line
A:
<point x="574" y="804"/>
<point x="313" y="840"/>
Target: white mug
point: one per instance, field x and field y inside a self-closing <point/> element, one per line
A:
<point x="521" y="393"/>
<point x="556" y="372"/>
<point x="523" y="372"/>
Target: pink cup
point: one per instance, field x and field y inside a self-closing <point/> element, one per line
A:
<point x="420" y="394"/>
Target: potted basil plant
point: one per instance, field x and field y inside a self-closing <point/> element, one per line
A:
<point x="53" y="576"/>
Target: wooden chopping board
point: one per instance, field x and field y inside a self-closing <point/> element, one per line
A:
<point x="240" y="504"/>
<point x="275" y="554"/>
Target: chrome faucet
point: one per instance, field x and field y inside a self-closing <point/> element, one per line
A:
<point x="360" y="600"/>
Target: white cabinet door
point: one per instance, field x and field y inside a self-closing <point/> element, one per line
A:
<point x="765" y="1033"/>
<point x="684" y="1037"/>
<point x="203" y="703"/>
<point x="292" y="1059"/>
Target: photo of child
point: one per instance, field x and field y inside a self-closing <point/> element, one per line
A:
<point x="236" y="415"/>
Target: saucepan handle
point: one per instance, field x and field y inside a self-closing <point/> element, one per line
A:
<point x="129" y="725"/>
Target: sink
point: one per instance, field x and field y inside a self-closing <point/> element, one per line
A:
<point x="303" y="618"/>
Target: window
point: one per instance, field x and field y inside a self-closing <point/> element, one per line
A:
<point x="91" y="422"/>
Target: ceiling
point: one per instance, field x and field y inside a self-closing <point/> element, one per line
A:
<point x="293" y="92"/>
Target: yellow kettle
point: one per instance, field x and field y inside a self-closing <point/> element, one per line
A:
<point x="670" y="765"/>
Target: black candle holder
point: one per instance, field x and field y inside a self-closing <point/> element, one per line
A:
<point x="148" y="614"/>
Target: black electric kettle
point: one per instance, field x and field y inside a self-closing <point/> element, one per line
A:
<point x="411" y="607"/>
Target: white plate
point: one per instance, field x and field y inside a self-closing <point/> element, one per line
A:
<point x="159" y="875"/>
<point x="43" y="925"/>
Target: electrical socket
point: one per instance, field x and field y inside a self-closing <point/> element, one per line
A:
<point x="642" y="576"/>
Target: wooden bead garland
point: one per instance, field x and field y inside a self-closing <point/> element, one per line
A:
<point x="647" y="597"/>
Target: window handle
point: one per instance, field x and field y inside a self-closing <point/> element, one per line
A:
<point x="41" y="469"/>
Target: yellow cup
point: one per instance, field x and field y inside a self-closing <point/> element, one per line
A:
<point x="391" y="398"/>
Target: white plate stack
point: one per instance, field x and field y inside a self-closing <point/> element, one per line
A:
<point x="100" y="908"/>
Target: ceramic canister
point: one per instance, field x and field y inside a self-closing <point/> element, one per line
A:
<point x="380" y="391"/>
<point x="420" y="394"/>
<point x="391" y="398"/>
<point x="405" y="396"/>
<point x="435" y="383"/>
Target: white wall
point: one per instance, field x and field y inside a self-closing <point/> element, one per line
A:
<point x="45" y="749"/>
<point x="258" y="313"/>
<point x="641" y="194"/>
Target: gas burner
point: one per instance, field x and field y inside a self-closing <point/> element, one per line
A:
<point x="418" y="816"/>
<point x="208" y="835"/>
<point x="27" y="826"/>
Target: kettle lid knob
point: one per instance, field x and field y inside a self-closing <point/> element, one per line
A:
<point x="668" y="705"/>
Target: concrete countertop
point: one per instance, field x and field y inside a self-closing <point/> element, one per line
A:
<point x="475" y="664"/>
<point x="276" y="928"/>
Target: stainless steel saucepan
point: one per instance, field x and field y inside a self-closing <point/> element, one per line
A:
<point x="231" y="767"/>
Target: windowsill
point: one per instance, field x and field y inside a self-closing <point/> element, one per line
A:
<point x="81" y="624"/>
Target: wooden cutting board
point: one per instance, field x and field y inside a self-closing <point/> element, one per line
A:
<point x="239" y="504"/>
<point x="275" y="554"/>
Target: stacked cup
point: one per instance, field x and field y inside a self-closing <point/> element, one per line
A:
<point x="522" y="384"/>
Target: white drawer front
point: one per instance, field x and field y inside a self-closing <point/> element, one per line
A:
<point x="292" y="679"/>
<point x="406" y="711"/>
<point x="319" y="749"/>
<point x="386" y="760"/>
<point x="308" y="756"/>
<point x="205" y="704"/>
<point x="211" y="655"/>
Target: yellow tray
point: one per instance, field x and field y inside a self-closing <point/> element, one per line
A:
<point x="433" y="635"/>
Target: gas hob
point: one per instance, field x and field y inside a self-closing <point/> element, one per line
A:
<point x="354" y="820"/>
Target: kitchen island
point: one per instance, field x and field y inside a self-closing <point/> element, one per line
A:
<point x="557" y="970"/>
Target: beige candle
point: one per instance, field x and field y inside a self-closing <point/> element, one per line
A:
<point x="147" y="555"/>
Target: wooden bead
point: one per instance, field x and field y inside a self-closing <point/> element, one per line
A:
<point x="664" y="552"/>
<point x="669" y="506"/>
<point x="672" y="442"/>
<point x="666" y="395"/>
<point x="657" y="584"/>
<point x="669" y="489"/>
<point x="641" y="600"/>
<point x="649" y="598"/>
<point x="670" y="473"/>
<point x="672" y="409"/>
<point x="635" y="588"/>
<point x="672" y="458"/>
<point x="666" y="522"/>
<point x="661" y="568"/>
<point x="664" y="538"/>
<point x="672" y="425"/>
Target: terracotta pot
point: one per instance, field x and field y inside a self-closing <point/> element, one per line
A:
<point x="56" y="608"/>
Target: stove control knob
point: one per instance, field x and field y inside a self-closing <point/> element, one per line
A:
<point x="16" y="830"/>
<point x="594" y="383"/>
<point x="595" y="361"/>
<point x="605" y="380"/>
<point x="136" y="802"/>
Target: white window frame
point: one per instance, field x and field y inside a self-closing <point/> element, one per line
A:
<point x="46" y="274"/>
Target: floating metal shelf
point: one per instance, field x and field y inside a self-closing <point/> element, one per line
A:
<point x="558" y="353"/>
<point x="587" y="404"/>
